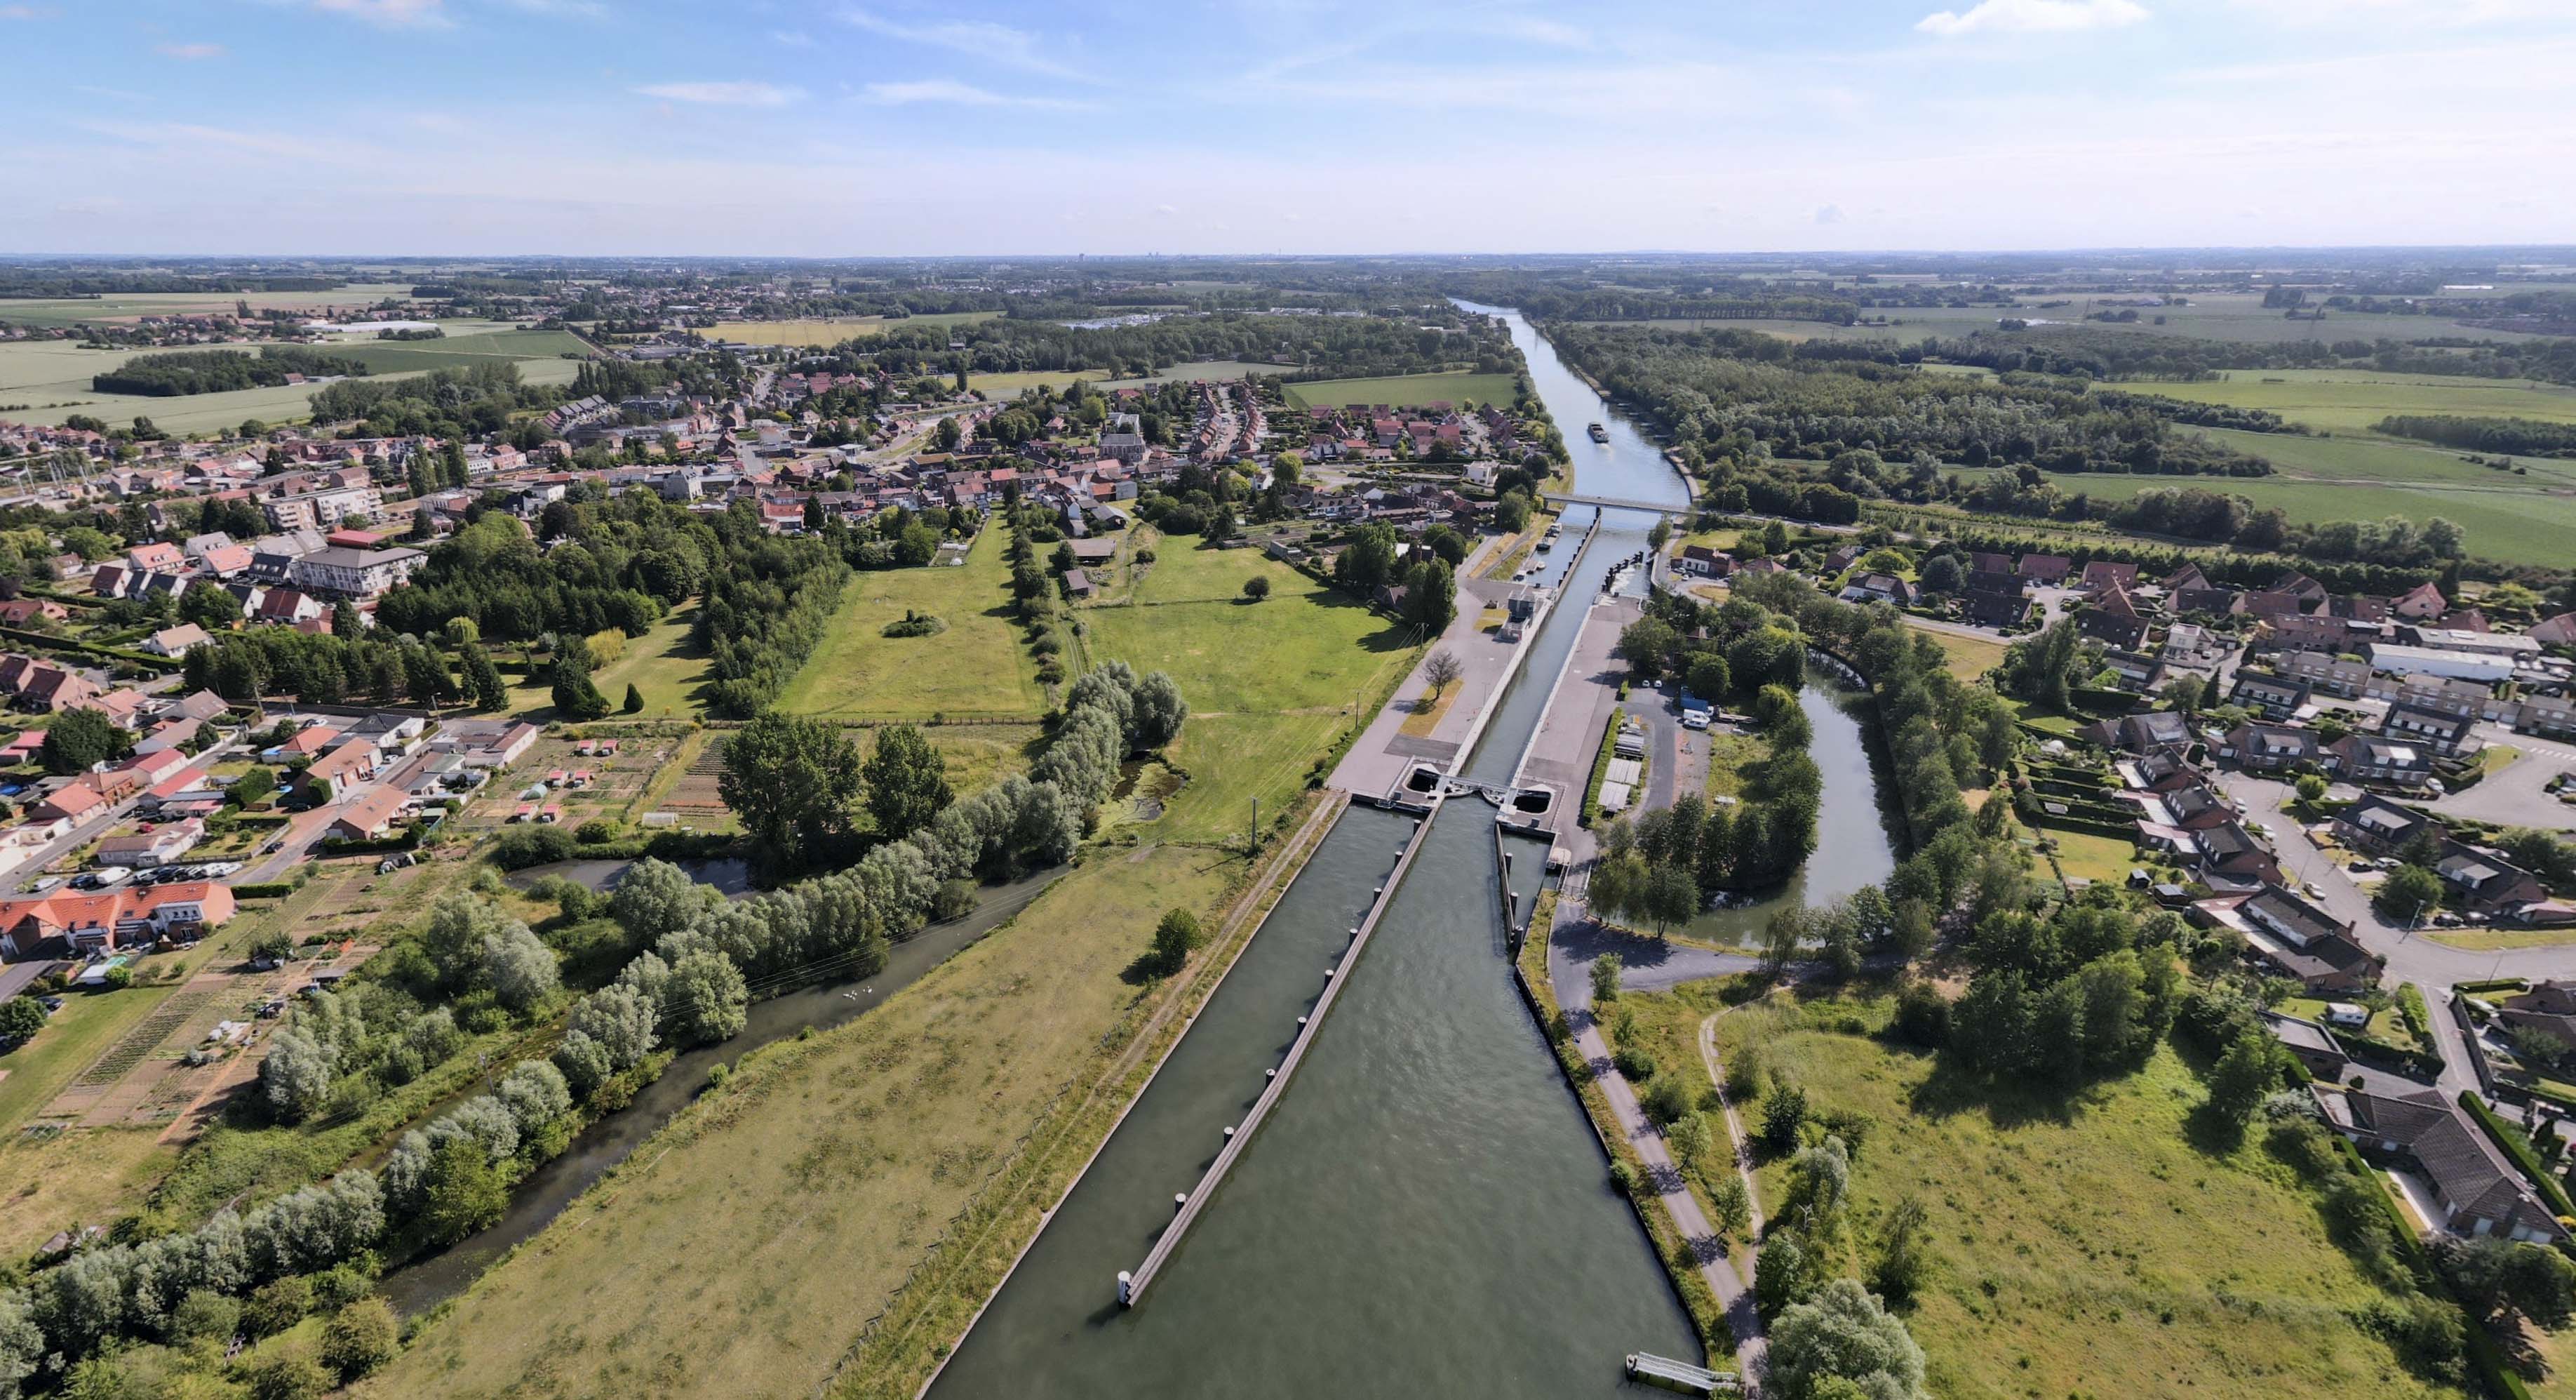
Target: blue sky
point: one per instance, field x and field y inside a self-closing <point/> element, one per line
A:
<point x="442" y="127"/>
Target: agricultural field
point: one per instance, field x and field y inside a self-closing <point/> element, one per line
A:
<point x="105" y="310"/>
<point x="823" y="332"/>
<point x="1271" y="685"/>
<point x="874" y="1136"/>
<point x="976" y="669"/>
<point x="1403" y="390"/>
<point x="2238" y="316"/>
<point x="52" y="378"/>
<point x="2370" y="458"/>
<point x="2086" y="1245"/>
<point x="2515" y="527"/>
<point x="2345" y="400"/>
<point x="1198" y="369"/>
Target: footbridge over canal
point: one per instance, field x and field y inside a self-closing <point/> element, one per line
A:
<point x="1564" y="498"/>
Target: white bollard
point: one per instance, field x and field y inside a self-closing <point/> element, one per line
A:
<point x="1229" y="1130"/>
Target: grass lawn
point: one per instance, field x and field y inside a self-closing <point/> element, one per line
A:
<point x="87" y="1176"/>
<point x="2495" y="758"/>
<point x="661" y="663"/>
<point x="1271" y="685"/>
<point x="743" y="1249"/>
<point x="2085" y="856"/>
<point x="976" y="669"/>
<point x="2087" y="1245"/>
<point x="1403" y="390"/>
<point x="1727" y="755"/>
<point x="1969" y="657"/>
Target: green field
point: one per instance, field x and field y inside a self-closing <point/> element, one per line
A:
<point x="1198" y="369"/>
<point x="832" y="330"/>
<point x="662" y="664"/>
<point x="1403" y="390"/>
<point x="1271" y="685"/>
<point x="52" y="377"/>
<point x="1969" y="657"/>
<point x="2371" y="458"/>
<point x="977" y="669"/>
<point x="2354" y="400"/>
<point x="2086" y="1245"/>
<point x="2515" y="527"/>
<point x="742" y="1250"/>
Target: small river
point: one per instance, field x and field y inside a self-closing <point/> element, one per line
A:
<point x="1852" y="845"/>
<point x="1425" y="1213"/>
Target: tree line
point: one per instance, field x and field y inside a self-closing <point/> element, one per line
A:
<point x="179" y="372"/>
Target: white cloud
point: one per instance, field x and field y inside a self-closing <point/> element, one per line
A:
<point x="1830" y="214"/>
<point x="189" y="51"/>
<point x="393" y="14"/>
<point x="2034" y="17"/>
<point x="725" y="94"/>
<point x="27" y="12"/>
<point x="793" y="38"/>
<point x="976" y="38"/>
<point x="949" y="91"/>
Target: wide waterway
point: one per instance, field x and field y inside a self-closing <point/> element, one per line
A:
<point x="1425" y="1213"/>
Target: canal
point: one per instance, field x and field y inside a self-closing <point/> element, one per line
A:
<point x="1425" y="1213"/>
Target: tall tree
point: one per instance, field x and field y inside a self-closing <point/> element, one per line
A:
<point x="791" y="779"/>
<point x="907" y="781"/>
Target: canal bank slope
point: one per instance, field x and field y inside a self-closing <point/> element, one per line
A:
<point x="907" y="1154"/>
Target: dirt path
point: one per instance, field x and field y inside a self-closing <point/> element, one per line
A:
<point x="1740" y="1313"/>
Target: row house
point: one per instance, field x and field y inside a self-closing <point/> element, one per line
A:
<point x="2268" y="748"/>
<point x="2550" y="715"/>
<point x="2272" y="697"/>
<point x="2444" y="734"/>
<point x="2446" y="695"/>
<point x="71" y="923"/>
<point x="2305" y="942"/>
<point x="2372" y="759"/>
<point x="2325" y="672"/>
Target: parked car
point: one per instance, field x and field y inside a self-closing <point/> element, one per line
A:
<point x="45" y="884"/>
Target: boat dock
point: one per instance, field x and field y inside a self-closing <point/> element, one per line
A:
<point x="1665" y="1373"/>
<point x="1132" y="1284"/>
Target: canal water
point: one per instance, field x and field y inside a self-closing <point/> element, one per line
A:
<point x="1425" y="1213"/>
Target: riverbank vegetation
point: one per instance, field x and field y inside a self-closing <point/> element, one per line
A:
<point x="2034" y="1241"/>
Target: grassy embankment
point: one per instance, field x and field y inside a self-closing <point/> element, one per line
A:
<point x="2087" y="1244"/>
<point x="1707" y="1317"/>
<point x="922" y="1141"/>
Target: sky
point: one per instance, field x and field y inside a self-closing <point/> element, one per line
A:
<point x="891" y="127"/>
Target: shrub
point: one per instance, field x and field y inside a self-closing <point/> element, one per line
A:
<point x="1635" y="1064"/>
<point x="1665" y="1099"/>
<point x="278" y="1305"/>
<point x="360" y="1338"/>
